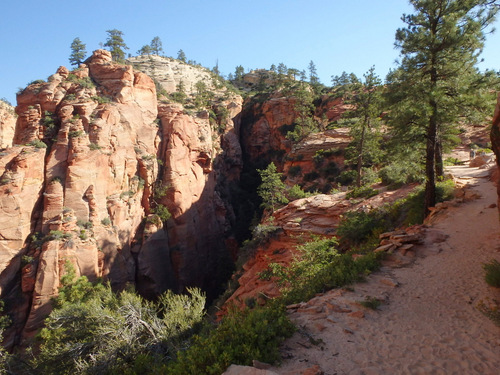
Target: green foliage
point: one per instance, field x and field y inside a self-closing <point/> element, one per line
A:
<point x="400" y="173"/>
<point x="75" y="133"/>
<point x="319" y="267"/>
<point x="296" y="192"/>
<point x="101" y="99"/>
<point x="347" y="177"/>
<point x="359" y="227"/>
<point x="262" y="232"/>
<point x="57" y="235"/>
<point x="492" y="273"/>
<point x="437" y="77"/>
<point x="294" y="171"/>
<point x="162" y="212"/>
<point x="37" y="143"/>
<point x="181" y="55"/>
<point x="241" y="337"/>
<point x="94" y="146"/>
<point x="78" y="52"/>
<point x="106" y="221"/>
<point x="85" y="82"/>
<point x="116" y="44"/>
<point x="370" y="303"/>
<point x="272" y="189"/>
<point x="362" y="192"/>
<point x="93" y="330"/>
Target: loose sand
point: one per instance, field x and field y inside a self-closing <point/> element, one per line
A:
<point x="428" y="322"/>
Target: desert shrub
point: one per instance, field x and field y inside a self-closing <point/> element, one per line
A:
<point x="101" y="99"/>
<point x="94" y="146"/>
<point x="106" y="221"/>
<point x="362" y="192"/>
<point x="400" y="173"/>
<point x="311" y="176"/>
<point x="75" y="133"/>
<point x="241" y="337"/>
<point x="330" y="170"/>
<point x="162" y="212"/>
<point x="294" y="171"/>
<point x="317" y="268"/>
<point x="296" y="192"/>
<point x="92" y="330"/>
<point x="263" y="232"/>
<point x="492" y="273"/>
<point x="370" y="303"/>
<point x="347" y="177"/>
<point x="37" y="143"/>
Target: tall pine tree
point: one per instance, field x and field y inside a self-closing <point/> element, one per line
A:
<point x="116" y="44"/>
<point x="78" y="52"/>
<point x="439" y="45"/>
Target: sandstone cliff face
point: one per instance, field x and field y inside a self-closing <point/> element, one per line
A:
<point x="7" y="124"/>
<point x="495" y="140"/>
<point x="101" y="161"/>
<point x="313" y="162"/>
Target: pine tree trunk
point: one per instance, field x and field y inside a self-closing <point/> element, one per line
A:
<point x="439" y="159"/>
<point x="360" y="154"/>
<point x="430" y="161"/>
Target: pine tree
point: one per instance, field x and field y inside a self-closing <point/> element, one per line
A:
<point x="78" y="52"/>
<point x="272" y="189"/>
<point x="181" y="55"/>
<point x="156" y="46"/>
<point x="363" y="119"/>
<point x="145" y="50"/>
<point x="116" y="44"/>
<point x="439" y="47"/>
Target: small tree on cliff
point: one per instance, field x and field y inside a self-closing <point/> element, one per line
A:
<point x="78" y="52"/>
<point x="440" y="46"/>
<point x="272" y="189"/>
<point x="181" y="55"/>
<point x="116" y="44"/>
<point x="156" y="46"/>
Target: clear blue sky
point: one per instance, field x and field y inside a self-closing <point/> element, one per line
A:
<point x="338" y="35"/>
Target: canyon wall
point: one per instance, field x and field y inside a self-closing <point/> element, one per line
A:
<point x="104" y="179"/>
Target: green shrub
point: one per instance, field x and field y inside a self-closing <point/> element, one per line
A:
<point x="93" y="330"/>
<point x="37" y="143"/>
<point x="492" y="273"/>
<point x="362" y="192"/>
<point x="94" y="146"/>
<point x="317" y="268"/>
<point x="106" y="221"/>
<point x="311" y="176"/>
<point x="296" y="192"/>
<point x="401" y="173"/>
<point x="241" y="337"/>
<point x="294" y="171"/>
<point x="370" y="303"/>
<point x="101" y="99"/>
<point x="75" y="133"/>
<point x="347" y="177"/>
<point x="162" y="212"/>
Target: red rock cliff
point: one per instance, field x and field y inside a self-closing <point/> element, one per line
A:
<point x="95" y="164"/>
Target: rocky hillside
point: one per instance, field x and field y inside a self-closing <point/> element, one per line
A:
<point x="103" y="178"/>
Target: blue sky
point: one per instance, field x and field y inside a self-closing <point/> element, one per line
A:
<point x="338" y="35"/>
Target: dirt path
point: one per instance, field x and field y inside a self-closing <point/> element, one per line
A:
<point x="428" y="322"/>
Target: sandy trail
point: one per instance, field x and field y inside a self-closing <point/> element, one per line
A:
<point x="429" y="322"/>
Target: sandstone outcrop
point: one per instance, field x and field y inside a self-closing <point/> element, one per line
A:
<point x="7" y="124"/>
<point x="91" y="189"/>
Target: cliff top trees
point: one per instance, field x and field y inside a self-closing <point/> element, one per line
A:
<point x="78" y="52"/>
<point x="116" y="44"/>
<point x="439" y="47"/>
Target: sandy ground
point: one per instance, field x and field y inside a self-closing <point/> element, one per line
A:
<point x="428" y="322"/>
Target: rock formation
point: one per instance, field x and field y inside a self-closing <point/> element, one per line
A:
<point x="7" y="124"/>
<point x="102" y="162"/>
